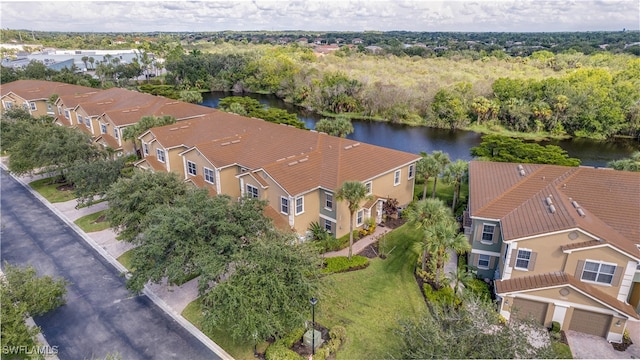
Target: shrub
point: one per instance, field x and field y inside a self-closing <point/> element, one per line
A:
<point x="338" y="332"/>
<point x="479" y="287"/>
<point x="555" y="327"/>
<point x="342" y="263"/>
<point x="443" y="296"/>
<point x="292" y="337"/>
<point x="277" y="351"/>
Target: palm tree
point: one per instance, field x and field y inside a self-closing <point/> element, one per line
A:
<point x="442" y="159"/>
<point x="444" y="236"/>
<point x="428" y="166"/>
<point x="85" y="59"/>
<point x="424" y="214"/>
<point x="91" y="61"/>
<point x="455" y="174"/>
<point x="353" y="192"/>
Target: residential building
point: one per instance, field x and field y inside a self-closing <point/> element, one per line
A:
<point x="296" y="171"/>
<point x="34" y="95"/>
<point x="560" y="243"/>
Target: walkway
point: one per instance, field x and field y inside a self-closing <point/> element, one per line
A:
<point x="361" y="244"/>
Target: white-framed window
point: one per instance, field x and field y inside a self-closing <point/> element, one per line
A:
<point x="191" y="168"/>
<point x="208" y="175"/>
<point x="369" y="186"/>
<point x="60" y="111"/>
<point x="523" y="258"/>
<point x="284" y="205"/>
<point x="487" y="233"/>
<point x="411" y="172"/>
<point x="328" y="225"/>
<point x="160" y="155"/>
<point x="252" y="191"/>
<point x="87" y="122"/>
<point x="360" y="217"/>
<point x="49" y="107"/>
<point x="598" y="272"/>
<point x="103" y="128"/>
<point x="145" y="149"/>
<point x="483" y="261"/>
<point x="299" y="205"/>
<point x="67" y="115"/>
<point x="79" y="118"/>
<point x="25" y="106"/>
<point x="33" y="106"/>
<point x="328" y="201"/>
<point x="116" y="134"/>
<point x="396" y="178"/>
<point x="8" y="105"/>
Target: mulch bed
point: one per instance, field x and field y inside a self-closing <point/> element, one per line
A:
<point x="65" y="187"/>
<point x="626" y="342"/>
<point x="100" y="219"/>
<point x="303" y="350"/>
<point x="371" y="251"/>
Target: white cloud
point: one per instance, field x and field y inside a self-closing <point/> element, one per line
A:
<point x="322" y="15"/>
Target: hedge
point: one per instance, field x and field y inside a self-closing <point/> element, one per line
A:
<point x="342" y="264"/>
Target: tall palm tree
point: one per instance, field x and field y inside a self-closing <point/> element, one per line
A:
<point x="455" y="174"/>
<point x="424" y="214"/>
<point x="443" y="160"/>
<point x="85" y="59"/>
<point x="428" y="166"/>
<point x="353" y="193"/>
<point x="444" y="236"/>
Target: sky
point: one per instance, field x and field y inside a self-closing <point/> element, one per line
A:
<point x="322" y="15"/>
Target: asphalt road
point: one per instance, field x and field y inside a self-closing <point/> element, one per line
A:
<point x="101" y="317"/>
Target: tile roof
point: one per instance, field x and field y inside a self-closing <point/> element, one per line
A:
<point x="199" y="182"/>
<point x="150" y="161"/>
<point x="42" y="90"/>
<point x="280" y="221"/>
<point x="608" y="201"/>
<point x="558" y="279"/>
<point x="109" y="141"/>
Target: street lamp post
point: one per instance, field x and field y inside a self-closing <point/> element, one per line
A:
<point x="313" y="302"/>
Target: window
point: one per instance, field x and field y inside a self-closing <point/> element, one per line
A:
<point x="103" y="128"/>
<point x="252" y="191"/>
<point x="67" y="114"/>
<point x="360" y="218"/>
<point x="61" y="112"/>
<point x="8" y="105"/>
<point x="299" y="205"/>
<point x="79" y="118"/>
<point x="25" y="106"/>
<point x="33" y="106"/>
<point x="208" y="175"/>
<point x="49" y="107"/>
<point x="487" y="233"/>
<point x="87" y="121"/>
<point x="160" y="155"/>
<point x="598" y="272"/>
<point x="284" y="205"/>
<point x="145" y="149"/>
<point x="328" y="201"/>
<point x="411" y="172"/>
<point x="369" y="187"/>
<point x="191" y="168"/>
<point x="396" y="178"/>
<point x="483" y="261"/>
<point x="115" y="133"/>
<point x="523" y="258"/>
<point x="328" y="225"/>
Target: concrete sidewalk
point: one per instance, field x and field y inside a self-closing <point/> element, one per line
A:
<point x="361" y="244"/>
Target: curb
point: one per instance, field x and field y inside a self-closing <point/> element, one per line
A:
<point x="150" y="294"/>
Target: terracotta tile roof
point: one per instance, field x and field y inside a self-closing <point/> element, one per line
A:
<point x="607" y="199"/>
<point x="280" y="221"/>
<point x="581" y="245"/>
<point x="42" y="90"/>
<point x="199" y="182"/>
<point x="558" y="279"/>
<point x="109" y="140"/>
<point x="151" y="162"/>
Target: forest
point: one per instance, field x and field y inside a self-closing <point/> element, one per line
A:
<point x="567" y="84"/>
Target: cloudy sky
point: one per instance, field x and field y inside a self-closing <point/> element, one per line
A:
<point x="323" y="15"/>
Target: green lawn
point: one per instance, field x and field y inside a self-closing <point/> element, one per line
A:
<point x="239" y="350"/>
<point x="369" y="302"/>
<point x="88" y="223"/>
<point x="125" y="259"/>
<point x="49" y="191"/>
<point x="444" y="191"/>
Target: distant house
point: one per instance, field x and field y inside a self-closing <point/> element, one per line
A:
<point x="296" y="171"/>
<point x="560" y="243"/>
<point x="374" y="49"/>
<point x="34" y="95"/>
<point x="357" y="41"/>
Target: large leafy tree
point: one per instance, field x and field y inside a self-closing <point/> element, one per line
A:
<point x="629" y="164"/>
<point x="353" y="193"/>
<point x="244" y="105"/>
<point x="94" y="178"/>
<point x="455" y="174"/>
<point x="473" y="331"/>
<point x="24" y="294"/>
<point x="340" y="126"/>
<point x="131" y="199"/>
<point x="194" y="234"/>
<point x="267" y="291"/>
<point x="424" y="214"/>
<point x="505" y="149"/>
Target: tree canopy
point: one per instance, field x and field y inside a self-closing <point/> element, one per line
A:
<point x="629" y="164"/>
<point x="353" y="193"/>
<point x="505" y="149"/>
<point x="340" y="126"/>
<point x="246" y="106"/>
<point x="94" y="178"/>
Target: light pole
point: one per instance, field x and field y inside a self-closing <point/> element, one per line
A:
<point x="313" y="302"/>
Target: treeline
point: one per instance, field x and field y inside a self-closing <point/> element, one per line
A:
<point x="592" y="96"/>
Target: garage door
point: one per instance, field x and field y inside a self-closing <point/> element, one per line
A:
<point x="529" y="309"/>
<point x="590" y="323"/>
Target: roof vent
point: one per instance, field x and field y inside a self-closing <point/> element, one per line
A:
<point x="581" y="212"/>
<point x="522" y="173"/>
<point x="575" y="204"/>
<point x="348" y="147"/>
<point x="549" y="201"/>
<point x="552" y="209"/>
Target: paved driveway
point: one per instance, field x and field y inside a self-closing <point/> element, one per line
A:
<point x="101" y="317"/>
<point x="585" y="346"/>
